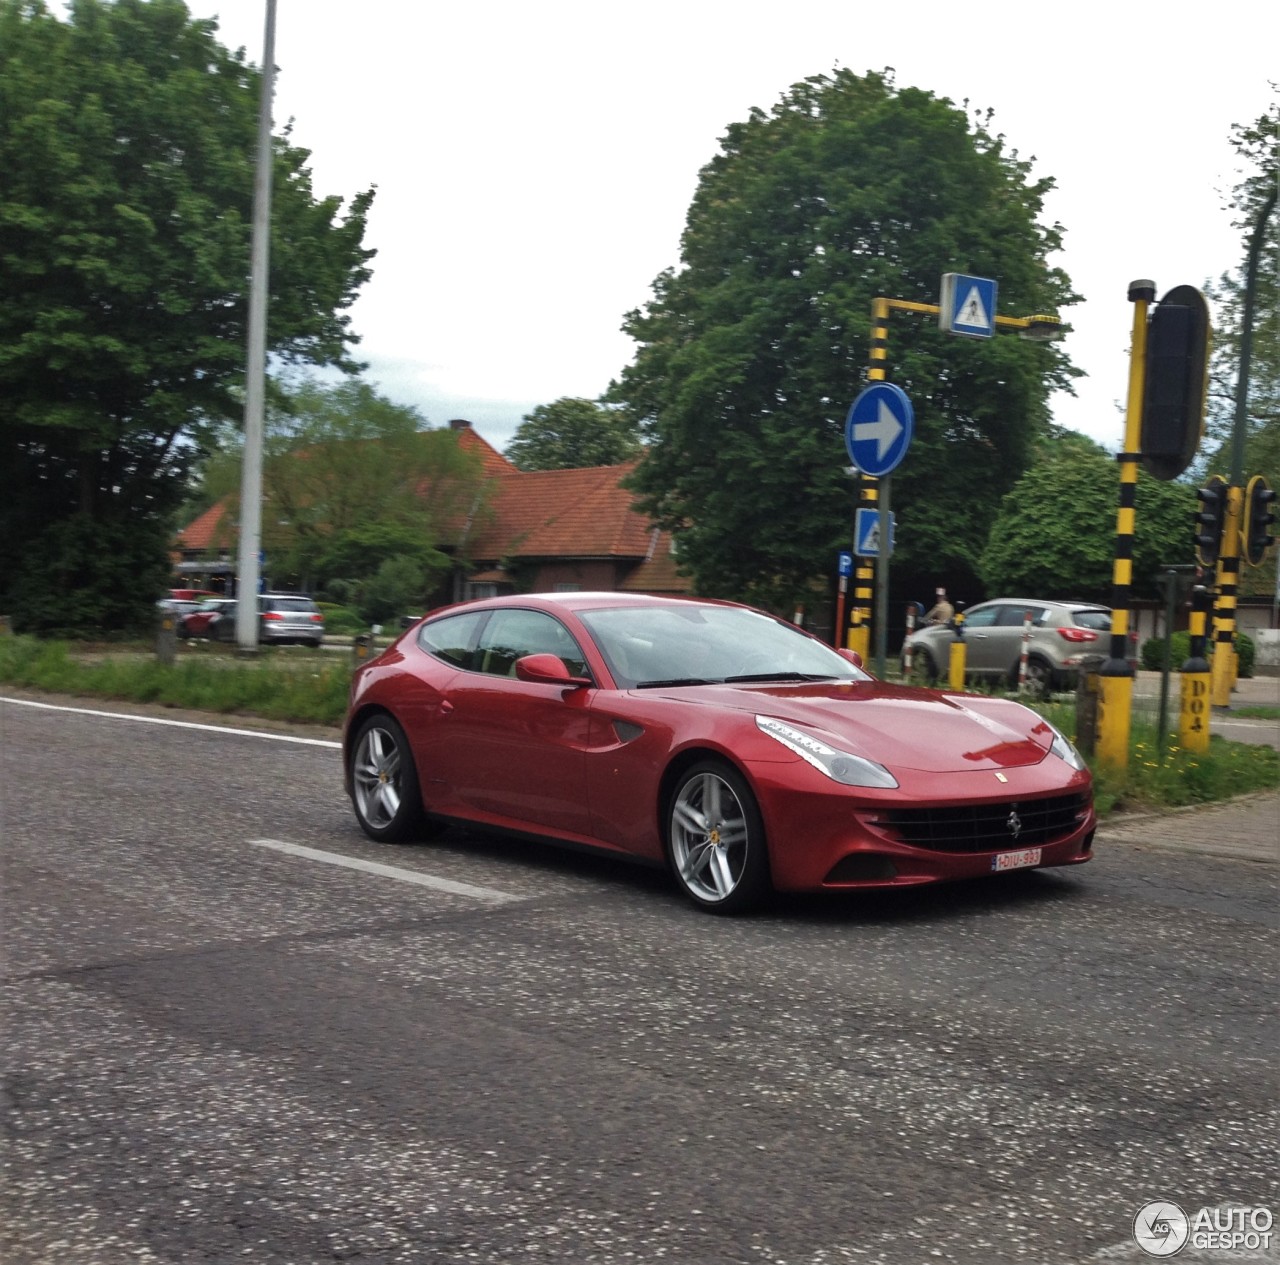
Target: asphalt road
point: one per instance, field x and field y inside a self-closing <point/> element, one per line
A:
<point x="221" y="1044"/>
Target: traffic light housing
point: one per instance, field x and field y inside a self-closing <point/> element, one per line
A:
<point x="1210" y="514"/>
<point x="1175" y="382"/>
<point x="1258" y="518"/>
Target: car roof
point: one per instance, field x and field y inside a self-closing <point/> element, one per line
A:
<point x="579" y="600"/>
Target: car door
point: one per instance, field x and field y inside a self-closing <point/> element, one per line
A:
<point x="982" y="656"/>
<point x="516" y="749"/>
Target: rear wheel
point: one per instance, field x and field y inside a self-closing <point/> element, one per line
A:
<point x="923" y="669"/>
<point x="715" y="839"/>
<point x="384" y="783"/>
<point x="1039" y="678"/>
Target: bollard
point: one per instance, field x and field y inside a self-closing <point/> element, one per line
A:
<point x="167" y="638"/>
<point x="1088" y="703"/>
<point x="1193" y="716"/>
<point x="1026" y="649"/>
<point x="955" y="676"/>
<point x="906" y="645"/>
<point x="362" y="648"/>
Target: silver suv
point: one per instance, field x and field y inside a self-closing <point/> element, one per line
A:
<point x="1062" y="634"/>
<point x="281" y="617"/>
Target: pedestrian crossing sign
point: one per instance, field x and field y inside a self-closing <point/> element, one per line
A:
<point x="866" y="531"/>
<point x="968" y="305"/>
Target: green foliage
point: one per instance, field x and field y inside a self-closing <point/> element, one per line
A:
<point x="276" y="687"/>
<point x="1151" y="655"/>
<point x="351" y="480"/>
<point x="750" y="354"/>
<point x="1054" y="535"/>
<point x="571" y="433"/>
<point x="127" y="142"/>
<point x="396" y="589"/>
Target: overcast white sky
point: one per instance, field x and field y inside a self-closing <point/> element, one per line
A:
<point x="534" y="162"/>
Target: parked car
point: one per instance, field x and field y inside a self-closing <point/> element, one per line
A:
<point x="282" y="617"/>
<point x="199" y="622"/>
<point x="729" y="745"/>
<point x="1062" y="635"/>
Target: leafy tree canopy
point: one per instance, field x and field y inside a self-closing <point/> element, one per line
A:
<point x="1258" y="146"/>
<point x="1054" y="534"/>
<point x="571" y="433"/>
<point x="127" y="142"/>
<point x="350" y="481"/>
<point x="750" y="353"/>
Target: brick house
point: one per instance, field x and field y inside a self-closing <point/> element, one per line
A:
<point x="535" y="531"/>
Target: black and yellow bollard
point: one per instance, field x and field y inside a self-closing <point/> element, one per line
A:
<point x="955" y="675"/>
<point x="362" y="648"/>
<point x="1115" y="679"/>
<point x="1193" y="717"/>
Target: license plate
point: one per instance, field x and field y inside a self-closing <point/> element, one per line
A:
<point x="1015" y="860"/>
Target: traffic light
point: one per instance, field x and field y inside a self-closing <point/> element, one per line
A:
<point x="1175" y="382"/>
<point x="1209" y="519"/>
<point x="1258" y="517"/>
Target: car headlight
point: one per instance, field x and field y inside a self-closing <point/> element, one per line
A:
<point x="839" y="766"/>
<point x="1063" y="749"/>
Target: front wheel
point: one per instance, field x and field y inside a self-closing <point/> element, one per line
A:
<point x="384" y="783"/>
<point x="715" y="839"/>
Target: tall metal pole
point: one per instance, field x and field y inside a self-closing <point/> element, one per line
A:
<point x="248" y="572"/>
<point x="1115" y="677"/>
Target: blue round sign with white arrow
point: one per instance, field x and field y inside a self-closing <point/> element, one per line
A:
<point x="879" y="427"/>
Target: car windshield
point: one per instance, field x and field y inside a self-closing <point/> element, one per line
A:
<point x="661" y="645"/>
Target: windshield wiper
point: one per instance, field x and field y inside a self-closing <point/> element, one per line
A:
<point x="780" y="676"/>
<point x="678" y="680"/>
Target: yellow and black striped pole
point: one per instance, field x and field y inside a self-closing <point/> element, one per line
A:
<point x="1224" y="621"/>
<point x="1193" y="718"/>
<point x="869" y="493"/>
<point x="864" y="575"/>
<point x="1115" y="677"/>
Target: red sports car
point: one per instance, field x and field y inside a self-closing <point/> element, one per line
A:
<point x="731" y="746"/>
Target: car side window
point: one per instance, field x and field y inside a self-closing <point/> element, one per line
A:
<point x="451" y="638"/>
<point x="982" y="617"/>
<point x="1014" y="615"/>
<point x="511" y="634"/>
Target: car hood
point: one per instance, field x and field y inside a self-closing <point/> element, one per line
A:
<point x="898" y="726"/>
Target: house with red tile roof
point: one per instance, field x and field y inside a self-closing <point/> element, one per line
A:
<point x="530" y="531"/>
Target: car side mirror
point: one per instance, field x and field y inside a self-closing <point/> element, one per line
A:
<point x="547" y="669"/>
<point x="852" y="655"/>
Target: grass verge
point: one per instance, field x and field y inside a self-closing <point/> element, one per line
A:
<point x="306" y="689"/>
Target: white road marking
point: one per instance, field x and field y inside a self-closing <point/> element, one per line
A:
<point x="388" y="871"/>
<point x="178" y="724"/>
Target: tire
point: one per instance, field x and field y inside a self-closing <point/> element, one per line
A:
<point x="715" y="839"/>
<point x="384" y="783"/>
<point x="1039" y="678"/>
<point x="923" y="668"/>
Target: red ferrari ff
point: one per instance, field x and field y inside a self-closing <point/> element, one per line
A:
<point x="730" y="745"/>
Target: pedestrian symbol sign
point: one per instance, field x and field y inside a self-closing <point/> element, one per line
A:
<point x="968" y="305"/>
<point x="866" y="533"/>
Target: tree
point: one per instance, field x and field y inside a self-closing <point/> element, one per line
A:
<point x="1054" y="535"/>
<point x="571" y="433"/>
<point x="750" y="354"/>
<point x="1259" y="147"/>
<point x="127" y="142"/>
<point x="350" y="482"/>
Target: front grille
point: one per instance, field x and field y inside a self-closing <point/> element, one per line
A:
<point x="985" y="827"/>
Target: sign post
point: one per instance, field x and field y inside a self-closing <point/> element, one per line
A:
<point x="877" y="434"/>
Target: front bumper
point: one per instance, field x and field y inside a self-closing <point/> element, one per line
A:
<point x="833" y="838"/>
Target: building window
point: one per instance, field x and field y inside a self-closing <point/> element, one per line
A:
<point x="566" y="588"/>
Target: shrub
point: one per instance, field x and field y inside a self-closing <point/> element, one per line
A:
<point x="1151" y="655"/>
